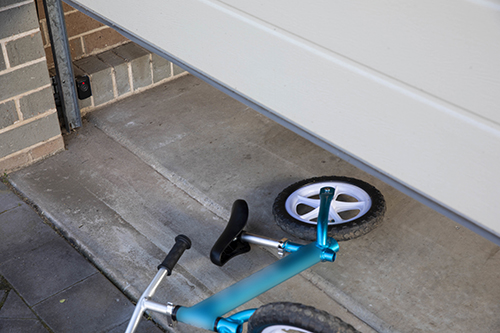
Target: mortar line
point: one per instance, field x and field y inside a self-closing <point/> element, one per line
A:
<point x="71" y="11"/>
<point x="87" y="32"/>
<point x="27" y="93"/>
<point x="20" y="35"/>
<point x="24" y="65"/>
<point x="29" y="120"/>
<point x="113" y="80"/>
<point x="151" y="68"/>
<point x="20" y="115"/>
<point x="45" y="32"/>
<point x="130" y="78"/>
<point x="5" y="56"/>
<point x="19" y="4"/>
<point x="28" y="149"/>
<point x="84" y="48"/>
<point x="69" y="287"/>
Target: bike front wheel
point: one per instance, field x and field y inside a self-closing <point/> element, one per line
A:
<point x="356" y="209"/>
<point x="298" y="318"/>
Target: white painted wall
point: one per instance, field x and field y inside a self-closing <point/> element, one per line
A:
<point x="411" y="88"/>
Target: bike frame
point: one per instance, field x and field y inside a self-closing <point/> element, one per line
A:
<point x="208" y="313"/>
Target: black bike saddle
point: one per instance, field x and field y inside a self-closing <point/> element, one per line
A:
<point x="229" y="243"/>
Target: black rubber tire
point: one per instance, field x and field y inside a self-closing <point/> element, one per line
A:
<point x="340" y="232"/>
<point x="297" y="316"/>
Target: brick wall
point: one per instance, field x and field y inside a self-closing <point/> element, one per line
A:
<point x="86" y="36"/>
<point x="116" y="67"/>
<point x="121" y="72"/>
<point x="29" y="126"/>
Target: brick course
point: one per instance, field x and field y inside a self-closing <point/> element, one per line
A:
<point x="25" y="49"/>
<point x="29" y="134"/>
<point x="17" y="20"/>
<point x="32" y="154"/>
<point x="24" y="79"/>
<point x="101" y="40"/>
<point x="78" y="23"/>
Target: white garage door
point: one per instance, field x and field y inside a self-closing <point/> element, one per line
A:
<point x="408" y="90"/>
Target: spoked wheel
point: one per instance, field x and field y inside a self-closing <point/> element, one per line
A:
<point x="357" y="208"/>
<point x="295" y="318"/>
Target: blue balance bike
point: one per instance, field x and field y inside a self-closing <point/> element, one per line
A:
<point x="317" y="209"/>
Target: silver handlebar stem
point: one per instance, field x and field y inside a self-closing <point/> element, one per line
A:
<point x="144" y="303"/>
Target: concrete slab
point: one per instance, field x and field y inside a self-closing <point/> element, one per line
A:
<point x="14" y="307"/>
<point x="52" y="267"/>
<point x="83" y="304"/>
<point x="21" y="326"/>
<point x="15" y="314"/>
<point x="40" y="263"/>
<point x="20" y="230"/>
<point x="217" y="150"/>
<point x="9" y="199"/>
<point x="125" y="216"/>
<point x="186" y="152"/>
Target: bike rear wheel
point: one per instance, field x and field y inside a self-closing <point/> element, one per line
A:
<point x="297" y="318"/>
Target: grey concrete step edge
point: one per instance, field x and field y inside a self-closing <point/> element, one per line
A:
<point x="334" y="293"/>
<point x="102" y="265"/>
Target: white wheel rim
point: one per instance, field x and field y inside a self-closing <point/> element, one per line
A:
<point x="341" y="211"/>
<point x="284" y="328"/>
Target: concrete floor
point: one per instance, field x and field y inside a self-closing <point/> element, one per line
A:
<point x="173" y="159"/>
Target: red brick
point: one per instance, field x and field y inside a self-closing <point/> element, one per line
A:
<point x="78" y="23"/>
<point x="67" y="8"/>
<point x="102" y="39"/>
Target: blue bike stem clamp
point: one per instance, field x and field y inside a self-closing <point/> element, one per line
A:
<point x="329" y="245"/>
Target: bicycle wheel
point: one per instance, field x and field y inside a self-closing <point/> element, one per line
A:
<point x="356" y="209"/>
<point x="296" y="318"/>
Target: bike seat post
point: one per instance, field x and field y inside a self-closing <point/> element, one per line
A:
<point x="326" y="196"/>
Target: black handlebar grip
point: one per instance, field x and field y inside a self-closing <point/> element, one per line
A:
<point x="182" y="243"/>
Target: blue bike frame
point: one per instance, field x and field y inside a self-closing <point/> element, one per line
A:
<point x="208" y="313"/>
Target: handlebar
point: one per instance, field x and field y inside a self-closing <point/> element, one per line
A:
<point x="182" y="243"/>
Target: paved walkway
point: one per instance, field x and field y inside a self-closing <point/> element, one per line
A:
<point x="46" y="285"/>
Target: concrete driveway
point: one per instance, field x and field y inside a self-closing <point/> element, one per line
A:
<point x="173" y="159"/>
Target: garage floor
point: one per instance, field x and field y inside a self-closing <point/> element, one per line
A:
<point x="173" y="159"/>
